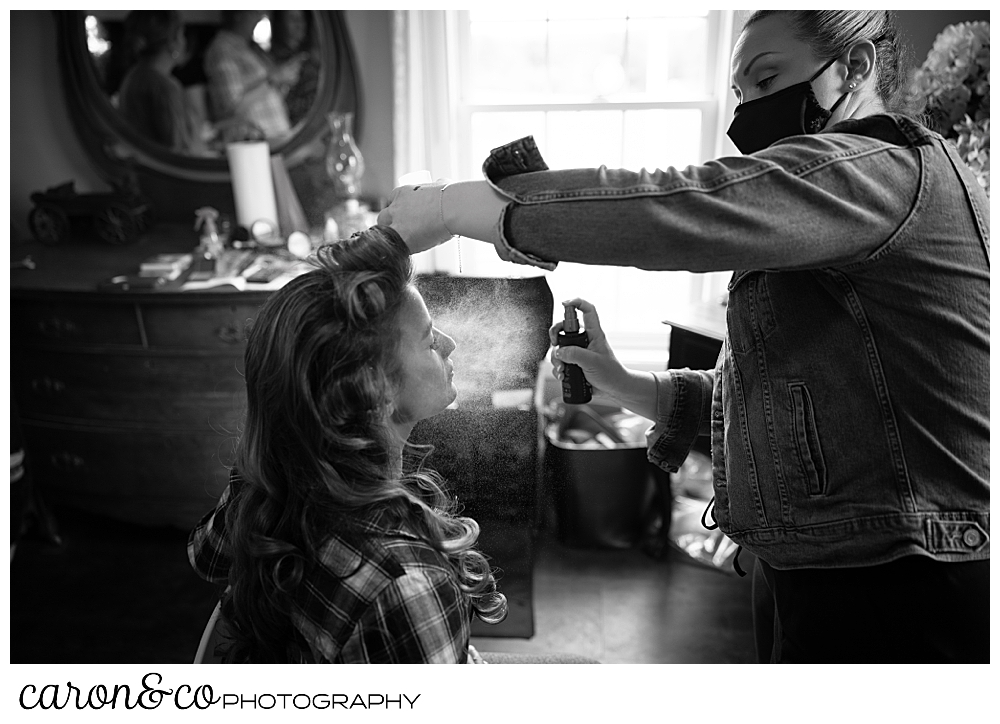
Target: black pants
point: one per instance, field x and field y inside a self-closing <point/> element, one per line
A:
<point x="912" y="610"/>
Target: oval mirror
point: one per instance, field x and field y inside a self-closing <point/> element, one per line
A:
<point x="115" y="64"/>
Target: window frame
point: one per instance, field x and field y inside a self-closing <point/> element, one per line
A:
<point x="715" y="106"/>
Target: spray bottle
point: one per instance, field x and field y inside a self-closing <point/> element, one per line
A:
<point x="576" y="390"/>
<point x="205" y="220"/>
<point x="209" y="247"/>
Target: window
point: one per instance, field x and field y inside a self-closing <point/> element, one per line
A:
<point x="617" y="85"/>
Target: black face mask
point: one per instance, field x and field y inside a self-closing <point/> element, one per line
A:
<point x="792" y="111"/>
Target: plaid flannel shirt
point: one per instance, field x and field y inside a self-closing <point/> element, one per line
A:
<point x="238" y="85"/>
<point x="398" y="601"/>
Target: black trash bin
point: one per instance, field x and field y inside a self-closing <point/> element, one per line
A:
<point x="603" y="487"/>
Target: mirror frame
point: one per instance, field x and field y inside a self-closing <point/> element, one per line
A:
<point x="114" y="145"/>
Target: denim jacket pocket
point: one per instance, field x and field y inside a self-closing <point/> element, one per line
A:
<point x="511" y="159"/>
<point x="750" y="315"/>
<point x="806" y="438"/>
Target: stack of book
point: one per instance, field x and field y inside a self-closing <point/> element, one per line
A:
<point x="166" y="266"/>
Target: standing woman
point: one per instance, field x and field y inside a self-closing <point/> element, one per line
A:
<point x="849" y="407"/>
<point x="333" y="551"/>
<point x="245" y="86"/>
<point x="294" y="38"/>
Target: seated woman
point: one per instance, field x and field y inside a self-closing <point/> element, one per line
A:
<point x="333" y="549"/>
<point x="151" y="98"/>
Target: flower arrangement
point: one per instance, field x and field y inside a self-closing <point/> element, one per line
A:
<point x="953" y="85"/>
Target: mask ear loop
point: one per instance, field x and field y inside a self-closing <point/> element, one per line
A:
<point x="840" y="100"/>
<point x="822" y="70"/>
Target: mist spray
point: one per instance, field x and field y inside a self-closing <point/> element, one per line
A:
<point x="575" y="388"/>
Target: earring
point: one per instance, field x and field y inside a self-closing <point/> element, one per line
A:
<point x="851" y="85"/>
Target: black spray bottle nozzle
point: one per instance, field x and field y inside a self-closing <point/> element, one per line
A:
<point x="571" y="325"/>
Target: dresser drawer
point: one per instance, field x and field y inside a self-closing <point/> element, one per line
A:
<point x="150" y="478"/>
<point x="72" y="322"/>
<point x="200" y="392"/>
<point x="202" y="326"/>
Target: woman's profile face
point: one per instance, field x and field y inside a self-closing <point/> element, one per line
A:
<point x="426" y="387"/>
<point x="768" y="57"/>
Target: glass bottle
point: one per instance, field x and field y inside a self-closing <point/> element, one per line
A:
<point x="344" y="164"/>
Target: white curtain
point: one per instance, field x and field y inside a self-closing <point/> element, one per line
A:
<point x="423" y="109"/>
<point x="424" y="114"/>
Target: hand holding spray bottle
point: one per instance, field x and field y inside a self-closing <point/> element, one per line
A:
<point x="576" y="390"/>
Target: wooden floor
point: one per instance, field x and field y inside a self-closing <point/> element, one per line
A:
<point x="117" y="593"/>
<point x="622" y="606"/>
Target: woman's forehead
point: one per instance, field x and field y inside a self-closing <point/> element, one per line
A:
<point x="769" y="37"/>
<point x="413" y="314"/>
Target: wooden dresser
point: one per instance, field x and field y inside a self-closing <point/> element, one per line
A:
<point x="129" y="401"/>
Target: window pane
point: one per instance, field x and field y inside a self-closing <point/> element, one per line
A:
<point x="580" y="52"/>
<point x="497" y="11"/>
<point x="585" y="11"/>
<point x="589" y="59"/>
<point x="507" y="61"/>
<point x="660" y="9"/>
<point x="660" y="138"/>
<point x="580" y="139"/>
<point x="667" y="58"/>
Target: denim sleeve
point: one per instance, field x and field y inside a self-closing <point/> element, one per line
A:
<point x="683" y="412"/>
<point x="515" y="158"/>
<point x="828" y="199"/>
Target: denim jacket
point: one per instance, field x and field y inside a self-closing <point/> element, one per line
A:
<point x="849" y="408"/>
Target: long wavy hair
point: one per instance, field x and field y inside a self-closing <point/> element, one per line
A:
<point x="831" y="32"/>
<point x="316" y="451"/>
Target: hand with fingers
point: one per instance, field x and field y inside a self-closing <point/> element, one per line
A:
<point x="632" y="389"/>
<point x="416" y="213"/>
<point x="597" y="360"/>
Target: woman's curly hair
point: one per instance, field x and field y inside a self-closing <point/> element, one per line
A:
<point x="315" y="452"/>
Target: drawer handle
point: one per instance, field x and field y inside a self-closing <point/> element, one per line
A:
<point x="58" y="328"/>
<point x="47" y="387"/>
<point x="67" y="462"/>
<point x="231" y="333"/>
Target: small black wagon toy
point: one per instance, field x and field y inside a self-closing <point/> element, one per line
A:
<point x="118" y="217"/>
